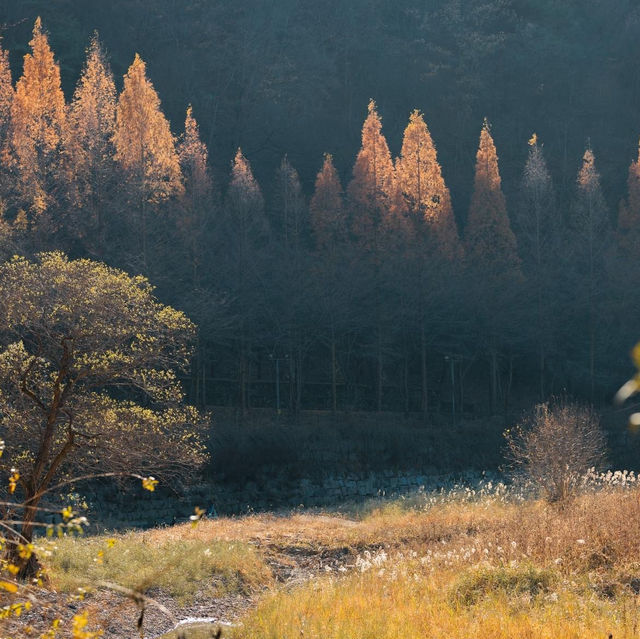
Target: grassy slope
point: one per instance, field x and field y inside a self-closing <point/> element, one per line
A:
<point x="463" y="566"/>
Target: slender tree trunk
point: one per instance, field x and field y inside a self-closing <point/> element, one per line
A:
<point x="334" y="398"/>
<point x="298" y="379"/>
<point x="423" y="366"/>
<point x="493" y="377"/>
<point x="379" y="371"/>
<point x="406" y="385"/>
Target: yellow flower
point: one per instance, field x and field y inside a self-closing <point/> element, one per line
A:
<point x="149" y="483"/>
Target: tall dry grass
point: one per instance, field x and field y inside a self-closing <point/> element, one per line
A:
<point x="489" y="568"/>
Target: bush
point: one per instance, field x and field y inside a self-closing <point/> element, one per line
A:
<point x="555" y="446"/>
<point x="487" y="580"/>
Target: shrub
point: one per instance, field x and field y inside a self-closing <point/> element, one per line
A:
<point x="488" y="580"/>
<point x="554" y="447"/>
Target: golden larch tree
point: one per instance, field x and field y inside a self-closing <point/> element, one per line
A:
<point x="247" y="234"/>
<point x="6" y="94"/>
<point x="426" y="194"/>
<point x="197" y="200"/>
<point x="33" y="152"/>
<point x="537" y="229"/>
<point x="380" y="226"/>
<point x="245" y="201"/>
<point x="628" y="232"/>
<point x="375" y="199"/>
<point x="328" y="217"/>
<point x="333" y="290"/>
<point x="92" y="118"/>
<point x="590" y="245"/>
<point x="145" y="150"/>
<point x="145" y="146"/>
<point x="490" y="242"/>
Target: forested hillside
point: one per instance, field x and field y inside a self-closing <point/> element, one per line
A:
<point x="219" y="149"/>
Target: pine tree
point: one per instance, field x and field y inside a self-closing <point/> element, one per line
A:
<point x="92" y="118"/>
<point x="433" y="245"/>
<point x="245" y="204"/>
<point x="145" y="150"/>
<point x="145" y="146"/>
<point x="538" y="234"/>
<point x="247" y="236"/>
<point x="33" y="152"/>
<point x="492" y="259"/>
<point x="427" y="196"/>
<point x="374" y="195"/>
<point x="628" y="232"/>
<point x="590" y="240"/>
<point x="330" y="230"/>
<point x="328" y="217"/>
<point x="490" y="242"/>
<point x="379" y="224"/>
<point x="194" y="221"/>
<point x="197" y="223"/>
<point x="6" y="95"/>
<point x="293" y="311"/>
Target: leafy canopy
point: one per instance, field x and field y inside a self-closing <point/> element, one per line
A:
<point x="88" y="373"/>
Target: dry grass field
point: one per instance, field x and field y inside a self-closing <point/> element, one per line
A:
<point x="483" y="563"/>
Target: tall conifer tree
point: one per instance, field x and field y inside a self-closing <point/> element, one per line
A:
<point x="374" y="195"/>
<point x="539" y="234"/>
<point x="33" y="152"/>
<point x="327" y="212"/>
<point x="92" y="118"/>
<point x="246" y="251"/>
<point x="293" y="295"/>
<point x="490" y="242"/>
<point x="379" y="224"/>
<point x="145" y="150"/>
<point x="427" y="196"/>
<point x="492" y="257"/>
<point x="195" y="216"/>
<point x="433" y="246"/>
<point x="590" y="239"/>
<point x="330" y="230"/>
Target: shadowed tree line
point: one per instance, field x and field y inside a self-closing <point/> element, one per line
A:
<point x="372" y="296"/>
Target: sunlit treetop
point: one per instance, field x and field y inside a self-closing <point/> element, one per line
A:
<point x="536" y="218"/>
<point x="589" y="211"/>
<point x="37" y="125"/>
<point x="244" y="190"/>
<point x="93" y="108"/>
<point x="145" y="146"/>
<point x="327" y="207"/>
<point x="374" y="194"/>
<point x="193" y="156"/>
<point x="427" y="196"/>
<point x="490" y="242"/>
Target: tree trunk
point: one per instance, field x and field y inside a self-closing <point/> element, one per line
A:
<point x="334" y="398"/>
<point x="493" y="377"/>
<point x="423" y="365"/>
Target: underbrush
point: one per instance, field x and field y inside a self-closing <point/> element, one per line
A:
<point x="180" y="568"/>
